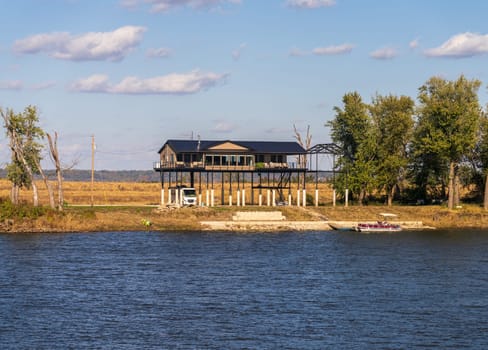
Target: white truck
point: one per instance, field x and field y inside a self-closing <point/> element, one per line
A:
<point x="185" y="196"/>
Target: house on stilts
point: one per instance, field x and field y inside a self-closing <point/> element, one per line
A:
<point x="234" y="172"/>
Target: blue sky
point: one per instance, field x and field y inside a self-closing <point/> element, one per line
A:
<point x="135" y="73"/>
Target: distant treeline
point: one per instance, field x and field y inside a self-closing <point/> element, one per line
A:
<point x="102" y="175"/>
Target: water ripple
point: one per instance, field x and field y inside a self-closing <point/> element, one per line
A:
<point x="319" y="290"/>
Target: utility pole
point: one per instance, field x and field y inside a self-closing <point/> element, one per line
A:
<point x="92" y="167"/>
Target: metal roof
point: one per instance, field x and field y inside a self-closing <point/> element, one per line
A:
<point x="201" y="146"/>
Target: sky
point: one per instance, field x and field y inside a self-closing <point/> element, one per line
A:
<point x="135" y="73"/>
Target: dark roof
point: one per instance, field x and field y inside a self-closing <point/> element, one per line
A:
<point x="278" y="147"/>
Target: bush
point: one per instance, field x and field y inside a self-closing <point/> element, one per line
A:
<point x="8" y="210"/>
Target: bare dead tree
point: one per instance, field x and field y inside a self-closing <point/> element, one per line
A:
<point x="46" y="183"/>
<point x="54" y="155"/>
<point x="304" y="143"/>
<point x="53" y="148"/>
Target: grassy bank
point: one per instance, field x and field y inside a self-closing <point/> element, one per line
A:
<point x="104" y="218"/>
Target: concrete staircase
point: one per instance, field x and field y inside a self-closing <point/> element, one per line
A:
<point x="258" y="216"/>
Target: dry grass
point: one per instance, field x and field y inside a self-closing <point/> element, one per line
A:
<point x="104" y="193"/>
<point x="132" y="193"/>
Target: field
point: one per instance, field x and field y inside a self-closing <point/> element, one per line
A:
<point x="138" y="193"/>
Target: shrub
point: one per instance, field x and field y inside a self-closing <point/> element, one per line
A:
<point x="8" y="210"/>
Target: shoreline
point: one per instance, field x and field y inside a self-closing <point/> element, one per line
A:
<point x="133" y="218"/>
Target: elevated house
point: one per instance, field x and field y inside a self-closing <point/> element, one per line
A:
<point x="230" y="155"/>
<point x="258" y="164"/>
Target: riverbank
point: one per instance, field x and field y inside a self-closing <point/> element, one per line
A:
<point x="137" y="218"/>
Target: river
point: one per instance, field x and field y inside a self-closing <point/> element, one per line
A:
<point x="296" y="290"/>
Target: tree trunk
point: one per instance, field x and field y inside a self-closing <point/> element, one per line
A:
<point x="48" y="185"/>
<point x="391" y="194"/>
<point x="485" y="201"/>
<point x="53" y="147"/>
<point x="450" y="201"/>
<point x="361" y="197"/>
<point x="456" y="190"/>
<point x="14" y="194"/>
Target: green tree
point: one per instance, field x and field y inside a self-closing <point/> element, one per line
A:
<point x="351" y="131"/>
<point x="481" y="154"/>
<point x="448" y="120"/>
<point x="24" y="135"/>
<point x="393" y="124"/>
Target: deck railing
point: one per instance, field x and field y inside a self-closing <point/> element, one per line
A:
<point x="227" y="167"/>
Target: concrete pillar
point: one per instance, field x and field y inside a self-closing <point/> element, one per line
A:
<point x="199" y="199"/>
<point x="274" y="198"/>
<point x="212" y="203"/>
<point x="177" y="196"/>
<point x="238" y="198"/>
<point x="289" y="199"/>
<point x="316" y="197"/>
<point x="268" y="198"/>
<point x="346" y="200"/>
<point x="260" y="199"/>
<point x="207" y="198"/>
<point x="230" y="200"/>
<point x="334" y="198"/>
<point x="243" y="198"/>
<point x="169" y="196"/>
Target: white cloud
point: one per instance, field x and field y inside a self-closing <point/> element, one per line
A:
<point x="385" y="53"/>
<point x="236" y="54"/>
<point x="161" y="52"/>
<point x="185" y="83"/>
<point x="310" y="4"/>
<point x="11" y="85"/>
<point x="333" y="50"/>
<point x="413" y="44"/>
<point x="93" y="46"/>
<point x="167" y="5"/>
<point x="461" y="45"/>
<point x="94" y="83"/>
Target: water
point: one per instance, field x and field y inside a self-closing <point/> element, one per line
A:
<point x="319" y="290"/>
